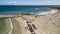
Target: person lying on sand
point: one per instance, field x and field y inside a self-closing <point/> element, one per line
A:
<point x="31" y="26"/>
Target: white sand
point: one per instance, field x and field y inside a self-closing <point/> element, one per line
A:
<point x="45" y="24"/>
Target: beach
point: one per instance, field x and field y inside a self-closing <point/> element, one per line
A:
<point x="18" y="19"/>
<point x="45" y="24"/>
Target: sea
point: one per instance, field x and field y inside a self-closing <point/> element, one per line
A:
<point x="23" y="9"/>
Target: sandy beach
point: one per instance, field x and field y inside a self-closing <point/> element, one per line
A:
<point x="46" y="24"/>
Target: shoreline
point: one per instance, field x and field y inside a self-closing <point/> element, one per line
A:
<point x="17" y="15"/>
<point x="52" y="11"/>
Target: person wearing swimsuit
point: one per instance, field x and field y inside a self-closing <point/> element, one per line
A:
<point x="31" y="26"/>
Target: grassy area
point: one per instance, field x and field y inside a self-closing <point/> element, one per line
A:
<point x="2" y="25"/>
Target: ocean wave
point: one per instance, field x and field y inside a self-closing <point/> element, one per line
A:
<point x="48" y="12"/>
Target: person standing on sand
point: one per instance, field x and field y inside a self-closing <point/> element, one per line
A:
<point x="31" y="26"/>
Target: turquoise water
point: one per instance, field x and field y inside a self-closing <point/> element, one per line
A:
<point x="10" y="9"/>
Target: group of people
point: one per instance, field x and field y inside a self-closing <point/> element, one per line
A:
<point x="31" y="26"/>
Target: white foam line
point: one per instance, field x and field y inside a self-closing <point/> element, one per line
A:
<point x="51" y="12"/>
<point x="10" y="26"/>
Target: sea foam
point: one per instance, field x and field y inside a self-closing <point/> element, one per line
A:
<point x="48" y="12"/>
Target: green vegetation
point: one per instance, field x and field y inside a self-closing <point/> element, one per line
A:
<point x="2" y="25"/>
